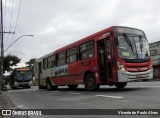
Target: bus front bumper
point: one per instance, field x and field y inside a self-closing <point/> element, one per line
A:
<point x="124" y="76"/>
<point x="22" y="84"/>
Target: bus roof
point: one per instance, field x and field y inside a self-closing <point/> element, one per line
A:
<point x="83" y="40"/>
<point x="90" y="37"/>
<point x="44" y="56"/>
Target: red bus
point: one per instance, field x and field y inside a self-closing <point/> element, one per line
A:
<point x="113" y="56"/>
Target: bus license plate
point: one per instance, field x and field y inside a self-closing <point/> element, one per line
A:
<point x="139" y="76"/>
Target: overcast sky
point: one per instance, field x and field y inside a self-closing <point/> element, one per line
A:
<point x="56" y="23"/>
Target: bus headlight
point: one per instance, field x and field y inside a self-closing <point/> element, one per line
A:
<point x="121" y="67"/>
<point x="16" y="83"/>
<point x="30" y="82"/>
<point x="150" y="66"/>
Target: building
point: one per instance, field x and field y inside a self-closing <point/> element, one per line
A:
<point x="155" y="55"/>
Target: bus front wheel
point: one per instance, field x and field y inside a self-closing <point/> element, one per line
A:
<point x="90" y="83"/>
<point x="120" y="84"/>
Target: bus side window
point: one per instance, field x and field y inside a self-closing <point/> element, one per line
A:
<point x="61" y="58"/>
<point x="45" y="64"/>
<point x="72" y="55"/>
<point x="87" y="50"/>
<point x="51" y="61"/>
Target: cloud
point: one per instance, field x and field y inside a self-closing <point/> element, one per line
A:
<point x="56" y="23"/>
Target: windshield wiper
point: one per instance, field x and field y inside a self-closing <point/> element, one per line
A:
<point x="141" y="43"/>
<point x="128" y="41"/>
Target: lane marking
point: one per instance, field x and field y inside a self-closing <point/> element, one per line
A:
<point x="19" y="106"/>
<point x="108" y="96"/>
<point x="74" y="93"/>
<point x="146" y="86"/>
<point x="55" y="91"/>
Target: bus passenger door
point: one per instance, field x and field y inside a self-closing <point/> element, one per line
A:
<point x="102" y="61"/>
<point x="109" y="58"/>
<point x="105" y="59"/>
<point x="40" y="73"/>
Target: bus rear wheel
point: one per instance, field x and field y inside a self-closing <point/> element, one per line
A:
<point x="120" y="84"/>
<point x="90" y="83"/>
<point x="72" y="86"/>
<point x="49" y="85"/>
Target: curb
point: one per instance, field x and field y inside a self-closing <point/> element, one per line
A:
<point x="7" y="103"/>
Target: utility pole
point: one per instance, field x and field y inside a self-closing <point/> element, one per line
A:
<point x="1" y="47"/>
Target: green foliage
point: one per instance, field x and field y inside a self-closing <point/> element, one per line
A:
<point x="7" y="78"/>
<point x="9" y="61"/>
<point x="30" y="63"/>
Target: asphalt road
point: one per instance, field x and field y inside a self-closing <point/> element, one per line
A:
<point x="136" y="95"/>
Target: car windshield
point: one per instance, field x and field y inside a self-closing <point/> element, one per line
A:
<point x="133" y="47"/>
<point x="23" y="75"/>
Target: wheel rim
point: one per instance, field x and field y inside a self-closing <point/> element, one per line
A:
<point x="90" y="82"/>
<point x="48" y="85"/>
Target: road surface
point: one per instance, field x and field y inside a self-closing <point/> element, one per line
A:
<point x="136" y="95"/>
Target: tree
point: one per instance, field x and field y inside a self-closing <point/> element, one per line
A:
<point x="9" y="61"/>
<point x="30" y="63"/>
<point x="7" y="78"/>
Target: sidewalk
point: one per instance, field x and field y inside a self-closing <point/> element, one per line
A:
<point x="5" y="103"/>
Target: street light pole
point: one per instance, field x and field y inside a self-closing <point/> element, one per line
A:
<point x="16" y="41"/>
<point x="2" y="57"/>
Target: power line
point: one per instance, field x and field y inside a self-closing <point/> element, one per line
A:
<point x="10" y="22"/>
<point x="17" y="18"/>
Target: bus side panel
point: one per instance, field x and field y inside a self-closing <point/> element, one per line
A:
<point x="46" y="74"/>
<point x="76" y="72"/>
<point x="36" y="72"/>
<point x="73" y="76"/>
<point x="67" y="80"/>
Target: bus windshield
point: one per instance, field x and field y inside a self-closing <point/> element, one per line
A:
<point x="23" y="75"/>
<point x="133" y="47"/>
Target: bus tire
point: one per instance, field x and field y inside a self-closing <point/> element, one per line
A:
<point x="49" y="85"/>
<point x="90" y="83"/>
<point x="120" y="84"/>
<point x="72" y="86"/>
<point x="40" y="87"/>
